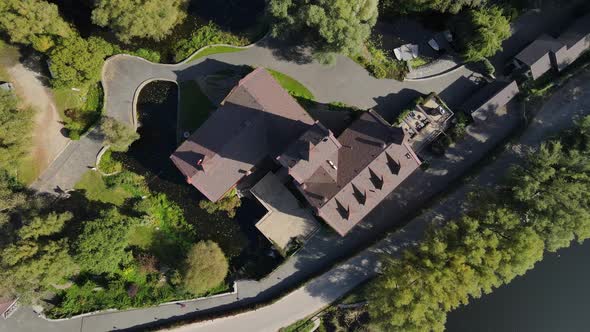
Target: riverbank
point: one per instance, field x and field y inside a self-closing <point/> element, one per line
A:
<point x="551" y="297"/>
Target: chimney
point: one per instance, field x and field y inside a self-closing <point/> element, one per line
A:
<point x="200" y="162"/>
<point x="189" y="180"/>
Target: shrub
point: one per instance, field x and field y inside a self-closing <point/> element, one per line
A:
<point x="109" y="165"/>
<point x="488" y="67"/>
<point x="118" y="135"/>
<point x="230" y="203"/>
<point x="206" y="35"/>
<point x="150" y="55"/>
<point x="206" y="267"/>
<point x="381" y="64"/>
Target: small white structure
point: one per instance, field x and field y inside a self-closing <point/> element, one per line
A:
<point x="6" y="86"/>
<point x="406" y="52"/>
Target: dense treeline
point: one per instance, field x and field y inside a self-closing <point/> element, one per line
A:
<point x="543" y="205"/>
<point x="15" y="131"/>
<point x="135" y="252"/>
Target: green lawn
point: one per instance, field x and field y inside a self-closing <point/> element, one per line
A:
<point x="419" y="62"/>
<point x="28" y="170"/>
<point x="215" y="50"/>
<point x="194" y="108"/>
<point x="66" y="98"/>
<point x="97" y="190"/>
<point x="294" y="88"/>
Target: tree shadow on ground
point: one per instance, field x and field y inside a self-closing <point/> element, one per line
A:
<point x="391" y="105"/>
<point x="288" y="51"/>
<point x="35" y="62"/>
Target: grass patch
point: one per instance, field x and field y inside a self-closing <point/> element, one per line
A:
<point x="142" y="236"/>
<point x="97" y="190"/>
<point x="194" y="107"/>
<point x="66" y="98"/>
<point x="304" y="325"/>
<point x="292" y="86"/>
<point x="419" y="62"/>
<point x="108" y="164"/>
<point x="79" y="109"/>
<point x="28" y="170"/>
<point x="214" y="50"/>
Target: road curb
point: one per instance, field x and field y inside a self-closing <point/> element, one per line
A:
<point x="441" y="74"/>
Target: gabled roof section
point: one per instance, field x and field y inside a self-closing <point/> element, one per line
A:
<point x="314" y="147"/>
<point x="538" y="49"/>
<point x="257" y="119"/>
<point x="372" y="161"/>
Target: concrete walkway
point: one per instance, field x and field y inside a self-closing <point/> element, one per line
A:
<point x="570" y="103"/>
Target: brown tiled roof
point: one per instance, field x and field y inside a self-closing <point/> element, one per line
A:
<point x="373" y="160"/>
<point x="257" y="119"/>
<point x="313" y="148"/>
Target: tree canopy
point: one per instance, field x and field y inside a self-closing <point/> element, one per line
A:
<point x="34" y="22"/>
<point x="77" y="62"/>
<point x="139" y="18"/>
<point x="117" y="135"/>
<point x="480" y="32"/>
<point x="15" y="131"/>
<point x="543" y="205"/>
<point x="340" y="26"/>
<point x="102" y="245"/>
<point x="414" y="6"/>
<point x="206" y="267"/>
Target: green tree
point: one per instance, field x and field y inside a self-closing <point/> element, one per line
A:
<point x="46" y="225"/>
<point x="551" y="189"/>
<point x="117" y="135"/>
<point x="101" y="248"/>
<point x="462" y="259"/>
<point x="15" y="132"/>
<point x="139" y="18"/>
<point x="480" y="32"/>
<point x="404" y="7"/>
<point x="77" y="62"/>
<point x="340" y="26"/>
<point x="229" y="203"/>
<point x="33" y="22"/>
<point x="50" y="265"/>
<point x="206" y="267"/>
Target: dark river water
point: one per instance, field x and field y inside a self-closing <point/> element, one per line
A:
<point x="554" y="296"/>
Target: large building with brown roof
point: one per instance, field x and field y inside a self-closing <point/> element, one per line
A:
<point x="256" y="120"/>
<point x="344" y="179"/>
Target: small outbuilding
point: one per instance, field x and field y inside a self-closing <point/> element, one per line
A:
<point x="286" y="220"/>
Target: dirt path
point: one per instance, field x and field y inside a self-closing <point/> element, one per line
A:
<point x="48" y="140"/>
